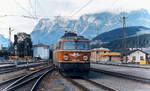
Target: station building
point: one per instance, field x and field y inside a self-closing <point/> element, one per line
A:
<point x="104" y="54"/>
<point x="41" y="51"/>
<point x="136" y="56"/>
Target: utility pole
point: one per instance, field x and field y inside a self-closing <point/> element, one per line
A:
<point x="124" y="44"/>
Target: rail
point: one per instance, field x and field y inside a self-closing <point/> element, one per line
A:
<point x="116" y="74"/>
<point x="27" y="78"/>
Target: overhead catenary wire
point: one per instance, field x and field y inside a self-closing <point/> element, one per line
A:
<point x="22" y="7"/>
<point x="39" y="17"/>
<point x="80" y="9"/>
<point x="35" y="8"/>
<point x="31" y="6"/>
<point x="39" y="5"/>
<point x="76" y="12"/>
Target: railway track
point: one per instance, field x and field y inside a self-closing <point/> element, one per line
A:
<point x="4" y="84"/>
<point x="36" y="84"/>
<point x="31" y="81"/>
<point x="121" y="65"/>
<point x="8" y="70"/>
<point x="121" y="75"/>
<point x="28" y="82"/>
<point x="86" y="84"/>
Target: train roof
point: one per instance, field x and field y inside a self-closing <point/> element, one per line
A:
<point x="72" y="36"/>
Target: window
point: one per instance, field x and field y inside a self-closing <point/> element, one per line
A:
<point x="75" y="45"/>
<point x="69" y="45"/>
<point x="141" y="58"/>
<point x="134" y="58"/>
<point x="81" y="45"/>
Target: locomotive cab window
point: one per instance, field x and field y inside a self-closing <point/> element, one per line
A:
<point x="79" y="45"/>
<point x="69" y="45"/>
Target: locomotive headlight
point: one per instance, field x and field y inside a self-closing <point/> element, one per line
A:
<point x="66" y="57"/>
<point x="85" y="58"/>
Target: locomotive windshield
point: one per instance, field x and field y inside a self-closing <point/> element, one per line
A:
<point x="69" y="45"/>
<point x="76" y="45"/>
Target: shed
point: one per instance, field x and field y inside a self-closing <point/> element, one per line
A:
<point x="41" y="51"/>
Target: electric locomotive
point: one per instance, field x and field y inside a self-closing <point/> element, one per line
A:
<point x="72" y="53"/>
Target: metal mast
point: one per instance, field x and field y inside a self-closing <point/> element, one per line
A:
<point x="124" y="44"/>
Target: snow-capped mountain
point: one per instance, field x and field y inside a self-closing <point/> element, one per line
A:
<point x="89" y="25"/>
<point x="48" y="32"/>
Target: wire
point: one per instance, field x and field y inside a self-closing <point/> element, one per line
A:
<point x="39" y="5"/>
<point x="35" y="11"/>
<point x="22" y="7"/>
<point x="30" y="3"/>
<point x="114" y="3"/>
<point x="76" y="12"/>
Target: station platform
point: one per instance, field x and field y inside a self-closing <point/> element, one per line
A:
<point x="139" y="72"/>
<point x="147" y="66"/>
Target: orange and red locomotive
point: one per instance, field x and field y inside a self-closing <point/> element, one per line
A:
<point x="72" y="53"/>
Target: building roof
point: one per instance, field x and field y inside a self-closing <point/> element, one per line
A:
<point x="132" y="51"/>
<point x="41" y="45"/>
<point x="101" y="49"/>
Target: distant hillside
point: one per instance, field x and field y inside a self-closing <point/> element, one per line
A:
<point x="141" y="41"/>
<point x="119" y="34"/>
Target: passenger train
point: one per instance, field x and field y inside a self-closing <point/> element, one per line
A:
<point x="72" y="53"/>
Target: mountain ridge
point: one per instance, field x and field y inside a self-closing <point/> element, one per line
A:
<point x="119" y="33"/>
<point x="89" y="25"/>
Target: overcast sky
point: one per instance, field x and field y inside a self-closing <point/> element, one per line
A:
<point x="15" y="9"/>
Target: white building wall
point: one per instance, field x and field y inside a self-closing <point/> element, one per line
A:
<point x="137" y="55"/>
<point x="41" y="52"/>
<point x="1" y="46"/>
